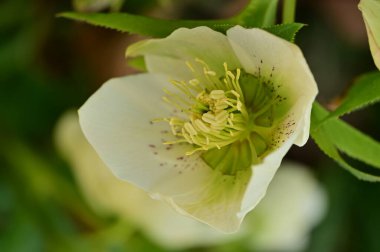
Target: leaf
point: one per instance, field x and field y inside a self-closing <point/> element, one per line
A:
<point x="285" y="31"/>
<point x="335" y="135"/>
<point x="124" y="22"/>
<point x="142" y="25"/>
<point x="353" y="142"/>
<point x="364" y="92"/>
<point x="258" y="13"/>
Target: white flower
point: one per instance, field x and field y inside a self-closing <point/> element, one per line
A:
<point x="294" y="204"/>
<point x="206" y="129"/>
<point x="371" y="14"/>
<point x="111" y="196"/>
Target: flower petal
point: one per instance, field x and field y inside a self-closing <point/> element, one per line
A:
<point x="371" y="15"/>
<point x="117" y="121"/>
<point x="263" y="173"/>
<point x="287" y="214"/>
<point x="169" y="55"/>
<point x="109" y="195"/>
<point x="216" y="203"/>
<point x="281" y="62"/>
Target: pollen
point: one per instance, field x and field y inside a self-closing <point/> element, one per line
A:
<point x="215" y="115"/>
<point x="220" y="110"/>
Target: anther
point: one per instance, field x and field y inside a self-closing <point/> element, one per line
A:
<point x="217" y="94"/>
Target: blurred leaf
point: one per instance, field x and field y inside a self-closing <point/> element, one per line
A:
<point x="335" y="135"/>
<point x="365" y="91"/>
<point x="43" y="182"/>
<point x="8" y="10"/>
<point x="23" y="235"/>
<point x="258" y="13"/>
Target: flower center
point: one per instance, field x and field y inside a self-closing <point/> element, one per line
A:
<point x="229" y="118"/>
<point x="216" y="115"/>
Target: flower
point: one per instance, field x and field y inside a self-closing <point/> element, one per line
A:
<point x="207" y="127"/>
<point x="281" y="222"/>
<point x="110" y="196"/>
<point x="371" y="14"/>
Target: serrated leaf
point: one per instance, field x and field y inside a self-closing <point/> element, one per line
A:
<point x="142" y="25"/>
<point x="353" y="142"/>
<point x="285" y="31"/>
<point x="330" y="138"/>
<point x="160" y="28"/>
<point x="365" y="91"/>
<point x="258" y="13"/>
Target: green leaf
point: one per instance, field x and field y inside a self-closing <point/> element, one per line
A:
<point x="258" y="13"/>
<point x="335" y="135"/>
<point x="365" y="91"/>
<point x="353" y="142"/>
<point x="160" y="28"/>
<point x="148" y="26"/>
<point x="285" y="31"/>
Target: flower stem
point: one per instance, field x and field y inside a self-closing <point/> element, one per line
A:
<point x="288" y="11"/>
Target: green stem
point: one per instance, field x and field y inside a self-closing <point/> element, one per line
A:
<point x="288" y="11"/>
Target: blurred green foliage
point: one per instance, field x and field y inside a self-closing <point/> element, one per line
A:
<point x="42" y="75"/>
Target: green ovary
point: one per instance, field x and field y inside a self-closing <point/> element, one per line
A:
<point x="230" y="119"/>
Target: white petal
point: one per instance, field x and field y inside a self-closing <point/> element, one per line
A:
<point x="111" y="196"/>
<point x="294" y="204"/>
<point x="264" y="54"/>
<point x="262" y="174"/>
<point x="216" y="203"/>
<point x="168" y="55"/>
<point x="117" y="122"/>
<point x="371" y="14"/>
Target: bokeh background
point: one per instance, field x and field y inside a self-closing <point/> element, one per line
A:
<point x="49" y="65"/>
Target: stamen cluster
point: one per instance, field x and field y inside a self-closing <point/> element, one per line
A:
<point x="215" y="109"/>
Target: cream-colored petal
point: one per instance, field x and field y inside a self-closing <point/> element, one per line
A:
<point x="169" y="55"/>
<point x="294" y="204"/>
<point x="371" y="14"/>
<point x="111" y="196"/>
<point x="217" y="203"/>
<point x="263" y="173"/>
<point x="280" y="62"/>
<point x="116" y="120"/>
